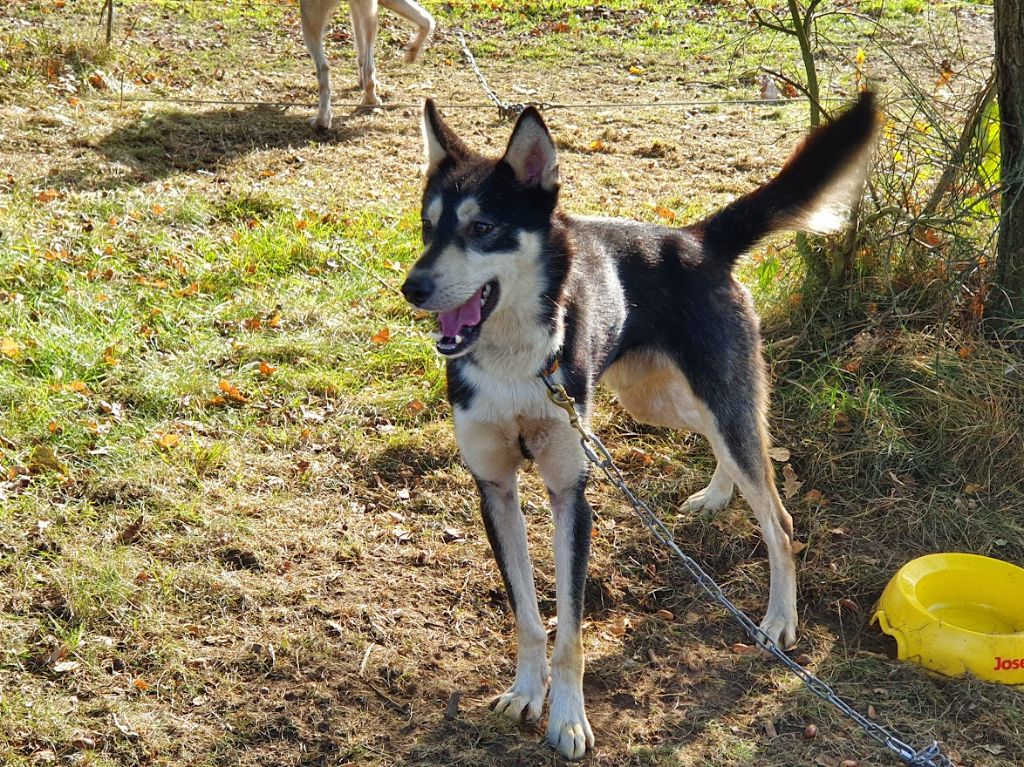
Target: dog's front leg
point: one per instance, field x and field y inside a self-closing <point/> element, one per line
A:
<point x="562" y="464"/>
<point x="493" y="457"/>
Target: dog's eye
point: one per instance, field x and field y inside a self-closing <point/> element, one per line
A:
<point x="482" y="228"/>
<point x="427" y="225"/>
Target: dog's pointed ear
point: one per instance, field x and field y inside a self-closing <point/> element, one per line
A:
<point x="531" y="152"/>
<point x="439" y="142"/>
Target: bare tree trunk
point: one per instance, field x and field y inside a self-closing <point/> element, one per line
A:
<point x="1009" y="29"/>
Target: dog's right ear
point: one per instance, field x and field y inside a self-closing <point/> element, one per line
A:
<point x="439" y="143"/>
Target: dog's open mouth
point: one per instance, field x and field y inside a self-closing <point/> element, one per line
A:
<point x="460" y="327"/>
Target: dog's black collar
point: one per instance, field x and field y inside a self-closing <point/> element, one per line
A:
<point x="550" y="367"/>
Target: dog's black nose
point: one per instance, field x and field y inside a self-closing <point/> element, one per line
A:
<point x="417" y="288"/>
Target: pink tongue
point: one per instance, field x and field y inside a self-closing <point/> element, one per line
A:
<point x="466" y="315"/>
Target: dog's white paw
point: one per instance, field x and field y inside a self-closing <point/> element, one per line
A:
<point x="711" y="498"/>
<point x="568" y="729"/>
<point x="523" y="701"/>
<point x="781" y="625"/>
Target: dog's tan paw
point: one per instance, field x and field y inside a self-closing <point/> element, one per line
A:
<point x="568" y="729"/>
<point x="710" y="498"/>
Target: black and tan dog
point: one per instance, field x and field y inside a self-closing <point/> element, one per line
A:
<point x="653" y="312"/>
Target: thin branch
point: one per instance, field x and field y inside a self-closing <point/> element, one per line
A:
<point x="800" y="87"/>
<point x="956" y="158"/>
<point x="776" y="25"/>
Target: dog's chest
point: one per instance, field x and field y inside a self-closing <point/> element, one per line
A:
<point x="502" y="399"/>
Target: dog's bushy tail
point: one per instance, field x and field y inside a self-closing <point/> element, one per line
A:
<point x="814" y="190"/>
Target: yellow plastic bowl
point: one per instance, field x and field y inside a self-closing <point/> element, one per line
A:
<point x="958" y="613"/>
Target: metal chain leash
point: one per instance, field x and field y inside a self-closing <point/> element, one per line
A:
<point x="599" y="456"/>
<point x="506" y="110"/>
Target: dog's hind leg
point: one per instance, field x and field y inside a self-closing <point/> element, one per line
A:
<point x="314" y="15"/>
<point x="563" y="467"/>
<point x="740" y="442"/>
<point x="414" y="12"/>
<point x="494" y="461"/>
<point x="364" y="27"/>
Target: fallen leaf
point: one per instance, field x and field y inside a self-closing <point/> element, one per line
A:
<point x="266" y="369"/>
<point x="10" y="348"/>
<point x="131" y="532"/>
<point x="453" y="535"/>
<point x="79" y="387"/>
<point x="665" y="615"/>
<point x="382" y="336"/>
<point x="166" y="440"/>
<point x="814" y="496"/>
<point x="47" y="195"/>
<point x="43" y="458"/>
<point x="779" y="454"/>
<point x="744" y="649"/>
<point x="769" y="730"/>
<point x="414" y="407"/>
<point x="811" y="731"/>
<point x="665" y="213"/>
<point x="597" y="145"/>
<point x="140" y="684"/>
<point x="231" y="391"/>
<point x="65" y="666"/>
<point x="402" y="535"/>
<point x="790" y="484"/>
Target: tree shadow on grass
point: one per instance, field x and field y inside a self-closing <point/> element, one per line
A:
<point x="175" y="141"/>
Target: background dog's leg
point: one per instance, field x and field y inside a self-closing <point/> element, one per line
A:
<point x="364" y="28"/>
<point x="415" y="13"/>
<point x="563" y="467"/>
<point x="742" y="447"/>
<point x="494" y="462"/>
<point x="314" y="15"/>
